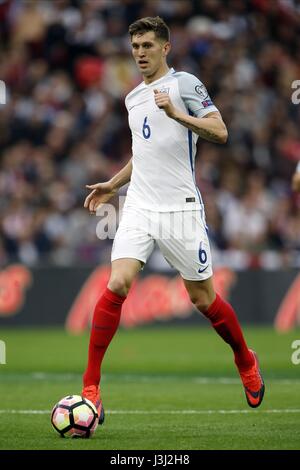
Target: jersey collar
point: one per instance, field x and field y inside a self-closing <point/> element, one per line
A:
<point x="170" y="71"/>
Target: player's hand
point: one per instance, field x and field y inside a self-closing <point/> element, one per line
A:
<point x="101" y="193"/>
<point x="163" y="101"/>
<point x="296" y="182"/>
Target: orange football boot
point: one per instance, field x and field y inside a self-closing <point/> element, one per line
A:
<point x="92" y="393"/>
<point x="253" y="383"/>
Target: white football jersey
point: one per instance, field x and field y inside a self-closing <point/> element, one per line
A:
<point x="163" y="150"/>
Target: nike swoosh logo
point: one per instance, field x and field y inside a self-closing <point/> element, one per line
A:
<point x="201" y="270"/>
<point x="139" y="104"/>
<point x="253" y="394"/>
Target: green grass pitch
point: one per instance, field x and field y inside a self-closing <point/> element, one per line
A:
<point x="163" y="388"/>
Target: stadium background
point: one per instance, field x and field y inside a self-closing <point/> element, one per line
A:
<point x="67" y="67"/>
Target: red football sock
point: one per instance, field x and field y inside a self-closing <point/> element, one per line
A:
<point x="105" y="323"/>
<point x="225" y="322"/>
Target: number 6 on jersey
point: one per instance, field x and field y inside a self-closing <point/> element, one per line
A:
<point x="146" y="129"/>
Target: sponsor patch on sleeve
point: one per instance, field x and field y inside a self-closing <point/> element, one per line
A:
<point x="207" y="103"/>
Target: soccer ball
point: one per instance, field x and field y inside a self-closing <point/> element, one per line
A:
<point x="74" y="416"/>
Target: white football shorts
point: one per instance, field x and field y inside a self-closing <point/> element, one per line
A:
<point x="181" y="237"/>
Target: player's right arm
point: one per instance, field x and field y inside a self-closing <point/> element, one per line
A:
<point x="103" y="192"/>
<point x="296" y="179"/>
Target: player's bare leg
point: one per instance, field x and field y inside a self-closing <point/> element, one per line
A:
<point x="225" y="322"/>
<point x="123" y="272"/>
<point x="105" y="323"/>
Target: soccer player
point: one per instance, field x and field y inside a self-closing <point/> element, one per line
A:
<point x="296" y="179"/>
<point x="167" y="112"/>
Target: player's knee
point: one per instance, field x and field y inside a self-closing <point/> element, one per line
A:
<point x="201" y="301"/>
<point x="202" y="306"/>
<point x="119" y="285"/>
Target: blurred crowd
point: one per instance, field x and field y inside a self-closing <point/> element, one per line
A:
<point x="67" y="66"/>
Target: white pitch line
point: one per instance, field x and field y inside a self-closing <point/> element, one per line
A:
<point x="160" y="412"/>
<point x="197" y="412"/>
<point x="61" y="377"/>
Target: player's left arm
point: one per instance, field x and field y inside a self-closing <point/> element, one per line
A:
<point x="210" y="127"/>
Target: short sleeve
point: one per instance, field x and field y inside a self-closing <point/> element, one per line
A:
<point x="194" y="94"/>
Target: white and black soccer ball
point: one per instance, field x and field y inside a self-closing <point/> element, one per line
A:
<point x="75" y="416"/>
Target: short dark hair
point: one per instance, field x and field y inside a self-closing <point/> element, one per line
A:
<point x="155" y="24"/>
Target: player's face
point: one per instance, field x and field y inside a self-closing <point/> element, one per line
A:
<point x="149" y="52"/>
